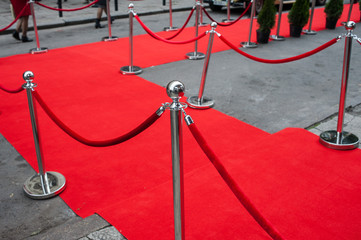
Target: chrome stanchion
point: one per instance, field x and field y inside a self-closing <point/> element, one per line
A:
<point x="110" y="37"/>
<point x="201" y="23"/>
<point x="340" y="139"/>
<point x="201" y="102"/>
<point x="38" y="49"/>
<point x="250" y="44"/>
<point x="170" y="28"/>
<point x="350" y="10"/>
<point x="228" y="13"/>
<point x="175" y="91"/>
<point x="309" y="31"/>
<point x="196" y="55"/>
<point x="277" y="37"/>
<point x="131" y="70"/>
<point x="44" y="184"/>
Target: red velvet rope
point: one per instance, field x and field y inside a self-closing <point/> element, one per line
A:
<point x="12" y="90"/>
<point x="67" y="10"/>
<point x="155" y="36"/>
<point x="182" y="28"/>
<point x="285" y="60"/>
<point x="17" y="17"/>
<point x="230" y="23"/>
<point x="244" y="200"/>
<point x="104" y="143"/>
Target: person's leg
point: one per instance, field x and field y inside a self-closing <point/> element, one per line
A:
<point x="99" y="16"/>
<point x="18" y="29"/>
<point x="24" y="27"/>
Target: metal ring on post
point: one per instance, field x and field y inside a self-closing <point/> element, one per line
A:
<point x="44" y="184"/>
<point x="175" y="91"/>
<point x="196" y="55"/>
<point x="340" y="139"/>
<point x="109" y="38"/>
<point x="250" y="44"/>
<point x="201" y="102"/>
<point x="228" y="13"/>
<point x="277" y="37"/>
<point x="38" y="49"/>
<point x="131" y="70"/>
<point x="309" y="31"/>
<point x="170" y="28"/>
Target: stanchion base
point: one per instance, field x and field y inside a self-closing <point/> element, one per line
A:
<point x="249" y="44"/>
<point x="307" y="32"/>
<point x="348" y="140"/>
<point x="227" y="20"/>
<point x="195" y="55"/>
<point x="110" y="39"/>
<point x="128" y="70"/>
<point x="277" y="38"/>
<point x="38" y="50"/>
<point x="204" y="104"/>
<point x="169" y="29"/>
<point x="33" y="186"/>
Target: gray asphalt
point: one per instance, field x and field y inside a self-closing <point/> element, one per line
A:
<point x="302" y="94"/>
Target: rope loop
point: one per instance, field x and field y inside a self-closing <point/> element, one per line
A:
<point x="232" y="184"/>
<point x="99" y="143"/>
<point x="20" y="89"/>
<point x="285" y="60"/>
<point x="67" y="10"/>
<point x="230" y="23"/>
<point x="157" y="37"/>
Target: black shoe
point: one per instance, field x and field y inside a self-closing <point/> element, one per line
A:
<point x="16" y="35"/>
<point x="97" y="24"/>
<point x="26" y="39"/>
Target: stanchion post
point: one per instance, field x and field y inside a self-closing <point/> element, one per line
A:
<point x="131" y="70"/>
<point x="196" y="55"/>
<point x="250" y="44"/>
<point x="38" y="49"/>
<point x="340" y="139"/>
<point x="350" y="10"/>
<point x="201" y="102"/>
<point x="175" y="91"/>
<point x="44" y="184"/>
<point x="228" y="12"/>
<point x="110" y="37"/>
<point x="170" y="28"/>
<point x="201" y="23"/>
<point x="277" y="37"/>
<point x="309" y="31"/>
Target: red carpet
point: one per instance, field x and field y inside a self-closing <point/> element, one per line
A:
<point x="305" y="190"/>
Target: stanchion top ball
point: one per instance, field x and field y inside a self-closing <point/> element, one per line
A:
<point x="28" y="76"/>
<point x="175" y="89"/>
<point x="350" y="25"/>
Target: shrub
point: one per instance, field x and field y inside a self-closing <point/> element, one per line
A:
<point x="333" y="9"/>
<point x="299" y="13"/>
<point x="266" y="17"/>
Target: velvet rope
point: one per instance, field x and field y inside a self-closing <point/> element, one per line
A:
<point x="17" y="17"/>
<point x="182" y="28"/>
<point x="103" y="143"/>
<point x="155" y="36"/>
<point x="230" y="23"/>
<point x="68" y="10"/>
<point x="277" y="61"/>
<point x="244" y="200"/>
<point x="11" y="90"/>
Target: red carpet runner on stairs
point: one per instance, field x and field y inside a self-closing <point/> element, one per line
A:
<point x="304" y="189"/>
